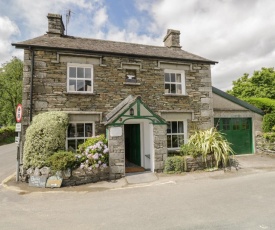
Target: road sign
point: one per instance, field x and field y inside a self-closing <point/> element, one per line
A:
<point x="17" y="140"/>
<point x="18" y="127"/>
<point x="19" y="113"/>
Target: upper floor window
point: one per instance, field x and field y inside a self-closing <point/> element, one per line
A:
<point x="79" y="78"/>
<point x="174" y="82"/>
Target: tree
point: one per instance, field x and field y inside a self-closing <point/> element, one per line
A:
<point x="11" y="75"/>
<point x="260" y="85"/>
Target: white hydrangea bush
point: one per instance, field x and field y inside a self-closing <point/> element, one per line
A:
<point x="45" y="135"/>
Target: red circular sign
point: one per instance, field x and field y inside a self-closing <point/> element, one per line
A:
<point x="19" y="113"/>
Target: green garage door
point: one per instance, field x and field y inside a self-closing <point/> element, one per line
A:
<point x="238" y="131"/>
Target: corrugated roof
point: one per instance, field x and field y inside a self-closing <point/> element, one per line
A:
<point x="112" y="47"/>
<point x="237" y="101"/>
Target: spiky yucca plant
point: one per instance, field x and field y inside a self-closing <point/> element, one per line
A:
<point x="212" y="142"/>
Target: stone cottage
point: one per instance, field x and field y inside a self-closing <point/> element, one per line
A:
<point x="147" y="99"/>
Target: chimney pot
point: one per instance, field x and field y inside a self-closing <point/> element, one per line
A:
<point x="172" y="39"/>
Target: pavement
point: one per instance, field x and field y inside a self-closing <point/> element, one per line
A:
<point x="245" y="164"/>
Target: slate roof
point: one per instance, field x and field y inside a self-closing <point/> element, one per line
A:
<point x="237" y="101"/>
<point x="109" y="47"/>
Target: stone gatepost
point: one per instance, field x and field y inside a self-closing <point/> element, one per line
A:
<point x="116" y="152"/>
<point x="160" y="146"/>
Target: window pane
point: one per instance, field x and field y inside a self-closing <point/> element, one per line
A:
<point x="79" y="142"/>
<point x="88" y="130"/>
<point x="175" y="141"/>
<point x="173" y="88"/>
<point x="80" y="130"/>
<point x="173" y="77"/>
<point x="179" y="91"/>
<point x="178" y="77"/>
<point x="236" y="124"/>
<point x="180" y="127"/>
<point x="88" y="86"/>
<point x="174" y="127"/>
<point x="72" y="85"/>
<point x="226" y="124"/>
<point x="167" y="77"/>
<point x="71" y="145"/>
<point x="168" y="127"/>
<point x="80" y="85"/>
<point x="167" y="88"/>
<point x="88" y="73"/>
<point x="181" y="140"/>
<point x="169" y="141"/>
<point x="72" y="72"/>
<point x="80" y="72"/>
<point x="71" y="130"/>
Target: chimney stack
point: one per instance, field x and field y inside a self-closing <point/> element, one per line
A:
<point x="172" y="39"/>
<point x="55" y="25"/>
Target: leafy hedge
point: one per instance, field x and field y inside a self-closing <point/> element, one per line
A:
<point x="7" y="134"/>
<point x="62" y="160"/>
<point x="174" y="164"/>
<point x="268" y="122"/>
<point x="45" y="135"/>
<point x="265" y="104"/>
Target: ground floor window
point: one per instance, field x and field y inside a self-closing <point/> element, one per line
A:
<point x="175" y="134"/>
<point x="77" y="133"/>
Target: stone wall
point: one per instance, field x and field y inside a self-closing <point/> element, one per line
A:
<point x="116" y="155"/>
<point x="50" y="87"/>
<point x="82" y="176"/>
<point x="263" y="145"/>
<point x="160" y="146"/>
<point x="70" y="177"/>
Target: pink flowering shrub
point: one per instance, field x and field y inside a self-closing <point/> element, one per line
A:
<point x="94" y="153"/>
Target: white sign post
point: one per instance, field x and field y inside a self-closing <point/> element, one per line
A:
<point x="19" y="113"/>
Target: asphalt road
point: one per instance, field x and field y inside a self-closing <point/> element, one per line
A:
<point x="7" y="160"/>
<point x="236" y="200"/>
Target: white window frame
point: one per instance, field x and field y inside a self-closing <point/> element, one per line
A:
<point x="80" y="138"/>
<point x="184" y="133"/>
<point x="182" y="83"/>
<point x="76" y="65"/>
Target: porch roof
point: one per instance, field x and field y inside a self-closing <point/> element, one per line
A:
<point x="123" y="108"/>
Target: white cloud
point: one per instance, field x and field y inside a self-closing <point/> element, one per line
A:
<point x="100" y="18"/>
<point x="237" y="34"/>
<point x="8" y="29"/>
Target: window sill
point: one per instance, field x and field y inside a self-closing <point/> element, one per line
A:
<point x="80" y="93"/>
<point x="175" y="95"/>
<point x="130" y="83"/>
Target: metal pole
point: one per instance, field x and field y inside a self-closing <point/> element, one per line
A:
<point x="18" y="159"/>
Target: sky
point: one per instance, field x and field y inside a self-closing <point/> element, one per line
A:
<point x="238" y="34"/>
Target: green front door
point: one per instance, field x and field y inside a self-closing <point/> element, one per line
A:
<point x="238" y="131"/>
<point x="132" y="143"/>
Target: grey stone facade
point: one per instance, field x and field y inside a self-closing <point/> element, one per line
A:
<point x="46" y="66"/>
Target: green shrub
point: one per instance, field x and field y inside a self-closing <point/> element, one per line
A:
<point x="211" y="142"/>
<point x="268" y="122"/>
<point x="189" y="149"/>
<point x="62" y="160"/>
<point x="265" y="104"/>
<point x="270" y="137"/>
<point x="45" y="136"/>
<point x="94" y="153"/>
<point x="7" y="134"/>
<point x="174" y="164"/>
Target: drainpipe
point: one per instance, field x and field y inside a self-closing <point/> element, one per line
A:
<point x="31" y="86"/>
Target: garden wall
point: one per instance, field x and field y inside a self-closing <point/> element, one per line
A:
<point x="70" y="178"/>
